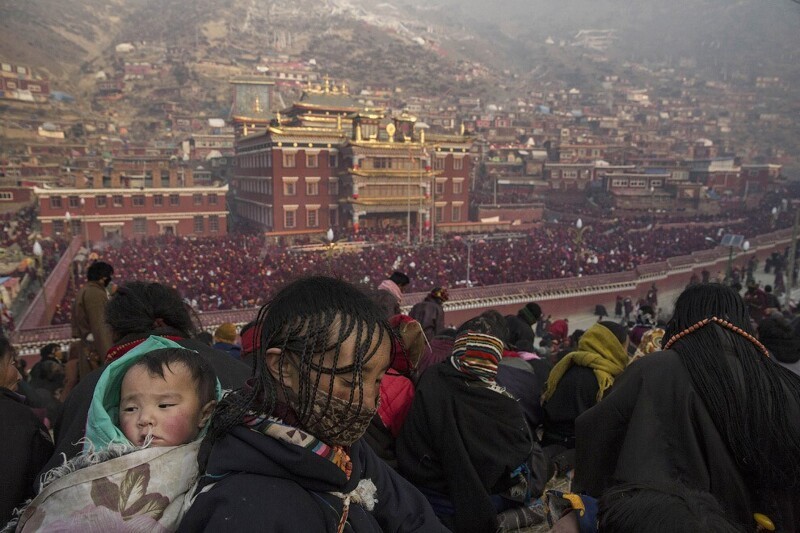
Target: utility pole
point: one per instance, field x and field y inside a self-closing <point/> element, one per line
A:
<point x="469" y="260"/>
<point x="408" y="207"/>
<point x="433" y="202"/>
<point x="792" y="257"/>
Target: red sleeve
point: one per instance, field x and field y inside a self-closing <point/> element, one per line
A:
<point x="397" y="393"/>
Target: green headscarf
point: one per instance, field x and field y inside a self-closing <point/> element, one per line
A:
<point x="598" y="349"/>
<point x="102" y="423"/>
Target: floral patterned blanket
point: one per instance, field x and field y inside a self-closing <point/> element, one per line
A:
<point x="147" y="490"/>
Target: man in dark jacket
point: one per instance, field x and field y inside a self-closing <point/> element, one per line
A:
<point x="26" y="444"/>
<point x="430" y="312"/>
<point x="137" y="311"/>
<point x="88" y="314"/>
<point x="520" y="327"/>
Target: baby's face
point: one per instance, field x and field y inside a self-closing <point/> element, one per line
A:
<point x="167" y="408"/>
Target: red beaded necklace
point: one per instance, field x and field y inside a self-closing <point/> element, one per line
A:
<point x="115" y="352"/>
<point x="724" y="324"/>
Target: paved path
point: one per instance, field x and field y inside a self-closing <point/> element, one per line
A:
<point x="666" y="300"/>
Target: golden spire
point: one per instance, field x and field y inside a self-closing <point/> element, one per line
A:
<point x="463" y="128"/>
<point x="278" y="117"/>
<point x="327" y="84"/>
<point x="339" y="122"/>
<point x="258" y="105"/>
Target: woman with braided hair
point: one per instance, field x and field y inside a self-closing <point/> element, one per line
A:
<point x="285" y="452"/>
<point x="712" y="411"/>
<point x="137" y="311"/>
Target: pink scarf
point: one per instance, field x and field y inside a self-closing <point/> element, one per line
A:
<point x="391" y="287"/>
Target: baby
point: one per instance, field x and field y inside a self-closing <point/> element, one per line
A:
<point x="139" y="461"/>
<point x="167" y="397"/>
<point x="158" y="394"/>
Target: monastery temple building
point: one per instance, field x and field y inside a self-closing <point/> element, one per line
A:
<point x="328" y="162"/>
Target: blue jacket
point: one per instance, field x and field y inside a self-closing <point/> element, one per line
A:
<point x="234" y="350"/>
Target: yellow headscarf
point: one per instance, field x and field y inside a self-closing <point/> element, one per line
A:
<point x="598" y="349"/>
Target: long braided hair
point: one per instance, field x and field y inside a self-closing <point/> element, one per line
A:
<point x="749" y="397"/>
<point x="308" y="320"/>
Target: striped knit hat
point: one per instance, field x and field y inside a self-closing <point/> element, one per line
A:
<point x="477" y="355"/>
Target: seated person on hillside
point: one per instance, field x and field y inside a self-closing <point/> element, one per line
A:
<point x="712" y="408"/>
<point x="466" y="444"/>
<point x="782" y="342"/>
<point x="520" y="330"/>
<point x="285" y="452"/>
<point x="26" y="442"/>
<point x="430" y="312"/>
<point x="645" y="321"/>
<point x="580" y="380"/>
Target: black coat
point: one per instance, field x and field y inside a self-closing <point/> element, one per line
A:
<point x="463" y="440"/>
<point x="520" y="334"/>
<point x="25" y="447"/>
<point x="71" y="426"/>
<point x="263" y="484"/>
<point x="525" y="387"/>
<point x="652" y="426"/>
<point x="575" y="393"/>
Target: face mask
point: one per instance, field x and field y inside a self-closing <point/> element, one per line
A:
<point x="339" y="425"/>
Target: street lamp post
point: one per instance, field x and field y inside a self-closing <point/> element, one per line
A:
<point x="729" y="275"/>
<point x="38" y="252"/>
<point x="469" y="261"/>
<point x="731" y="241"/>
<point x="331" y="244"/>
<point x="433" y="201"/>
<point x="470" y="240"/>
<point x="652" y="204"/>
<point x="793" y="257"/>
<point x="83" y="223"/>
<point x="408" y="206"/>
<point x="577" y="237"/>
